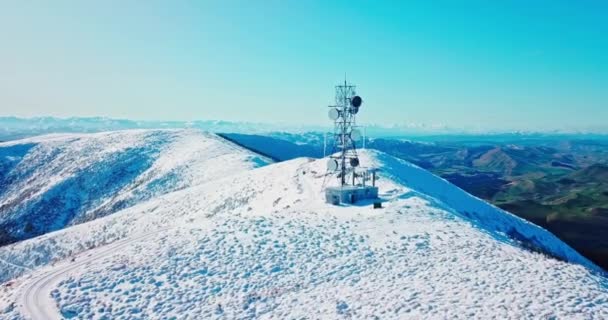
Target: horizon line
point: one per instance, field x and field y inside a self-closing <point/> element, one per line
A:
<point x="404" y="128"/>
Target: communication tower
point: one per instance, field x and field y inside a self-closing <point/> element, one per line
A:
<point x="344" y="161"/>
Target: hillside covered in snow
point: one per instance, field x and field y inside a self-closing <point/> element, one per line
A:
<point x="49" y="182"/>
<point x="258" y="241"/>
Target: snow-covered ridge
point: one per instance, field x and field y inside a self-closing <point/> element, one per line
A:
<point x="49" y="182"/>
<point x="263" y="244"/>
<point x="500" y="223"/>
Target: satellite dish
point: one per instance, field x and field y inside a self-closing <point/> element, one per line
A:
<point x="333" y="113"/>
<point x="332" y="165"/>
<point x="355" y="135"/>
<point x="354" y="162"/>
<point x="356" y="102"/>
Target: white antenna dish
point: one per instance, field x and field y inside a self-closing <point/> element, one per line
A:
<point x="332" y="165"/>
<point x="355" y="134"/>
<point x="333" y="113"/>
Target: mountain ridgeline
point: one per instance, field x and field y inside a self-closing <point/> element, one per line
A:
<point x="214" y="230"/>
<point x="50" y="182"/>
<point x="558" y="182"/>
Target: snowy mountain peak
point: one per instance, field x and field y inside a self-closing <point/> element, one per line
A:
<point x="263" y="244"/>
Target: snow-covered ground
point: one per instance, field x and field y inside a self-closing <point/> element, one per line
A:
<point x="262" y="243"/>
<point x="52" y="181"/>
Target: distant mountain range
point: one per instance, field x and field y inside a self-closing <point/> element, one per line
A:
<point x="14" y="128"/>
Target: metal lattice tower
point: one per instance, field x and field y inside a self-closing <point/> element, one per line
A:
<point x="344" y="158"/>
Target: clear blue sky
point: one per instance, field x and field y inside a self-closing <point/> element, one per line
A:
<point x="534" y="65"/>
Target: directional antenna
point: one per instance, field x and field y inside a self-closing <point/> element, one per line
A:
<point x="333" y="113"/>
<point x="332" y="165"/>
<point x="355" y="134"/>
<point x="355" y="103"/>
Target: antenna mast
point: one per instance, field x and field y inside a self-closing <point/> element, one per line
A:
<point x="345" y="135"/>
<point x="343" y="160"/>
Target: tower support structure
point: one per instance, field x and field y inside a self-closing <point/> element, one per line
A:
<point x="344" y="161"/>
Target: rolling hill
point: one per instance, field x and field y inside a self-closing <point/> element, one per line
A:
<point x="50" y="182"/>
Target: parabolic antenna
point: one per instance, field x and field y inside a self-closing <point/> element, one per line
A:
<point x="356" y="101"/>
<point x="333" y="114"/>
<point x="354" y="162"/>
<point x="355" y="135"/>
<point x="332" y="165"/>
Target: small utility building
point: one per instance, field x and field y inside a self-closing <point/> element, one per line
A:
<point x="349" y="194"/>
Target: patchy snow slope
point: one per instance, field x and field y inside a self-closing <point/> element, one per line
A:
<point x="52" y="181"/>
<point x="264" y="245"/>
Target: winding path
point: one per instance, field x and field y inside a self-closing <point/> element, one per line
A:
<point x="34" y="299"/>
